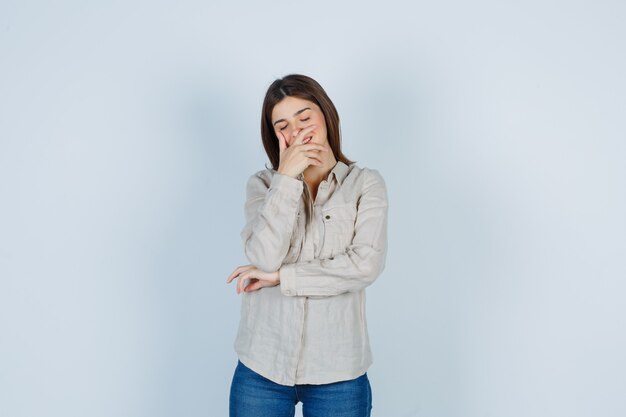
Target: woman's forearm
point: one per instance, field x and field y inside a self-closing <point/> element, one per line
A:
<point x="271" y="212"/>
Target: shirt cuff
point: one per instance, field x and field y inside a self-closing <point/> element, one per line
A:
<point x="287" y="273"/>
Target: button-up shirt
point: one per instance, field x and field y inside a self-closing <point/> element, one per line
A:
<point x="312" y="327"/>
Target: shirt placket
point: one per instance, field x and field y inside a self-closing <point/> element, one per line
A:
<point x="314" y="226"/>
<point x="311" y="248"/>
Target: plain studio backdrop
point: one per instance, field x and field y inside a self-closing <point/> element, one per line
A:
<point x="128" y="131"/>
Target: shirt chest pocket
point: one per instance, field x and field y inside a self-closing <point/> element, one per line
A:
<point x="338" y="225"/>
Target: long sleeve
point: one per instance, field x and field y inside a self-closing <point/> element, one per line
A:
<point x="360" y="264"/>
<point x="270" y="217"/>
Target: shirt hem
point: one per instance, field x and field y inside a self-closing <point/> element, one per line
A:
<point x="328" y="378"/>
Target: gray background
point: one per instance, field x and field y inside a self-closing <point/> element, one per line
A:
<point x="128" y="130"/>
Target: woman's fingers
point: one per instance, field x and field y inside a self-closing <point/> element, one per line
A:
<point x="282" y="142"/>
<point x="292" y="159"/>
<point x="238" y="271"/>
<point x="241" y="280"/>
<point x="314" y="147"/>
<point x="313" y="158"/>
<point x="302" y="134"/>
<point x="252" y="274"/>
<point x="313" y="154"/>
<point x="254" y="285"/>
<point x="250" y="279"/>
<point x="233" y="274"/>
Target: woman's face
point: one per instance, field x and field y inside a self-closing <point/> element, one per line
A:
<point x="292" y="114"/>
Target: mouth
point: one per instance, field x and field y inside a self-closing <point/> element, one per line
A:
<point x="307" y="140"/>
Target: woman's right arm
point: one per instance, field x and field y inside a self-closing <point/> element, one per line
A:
<point x="270" y="213"/>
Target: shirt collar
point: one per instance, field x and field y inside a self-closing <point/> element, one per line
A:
<point x="340" y="171"/>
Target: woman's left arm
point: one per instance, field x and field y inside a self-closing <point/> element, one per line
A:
<point x="361" y="263"/>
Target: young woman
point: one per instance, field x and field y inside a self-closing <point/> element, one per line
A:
<point x="316" y="237"/>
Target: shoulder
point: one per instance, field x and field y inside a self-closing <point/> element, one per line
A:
<point x="364" y="177"/>
<point x="368" y="186"/>
<point x="261" y="178"/>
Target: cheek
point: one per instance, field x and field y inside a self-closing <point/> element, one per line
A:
<point x="323" y="130"/>
<point x="322" y="123"/>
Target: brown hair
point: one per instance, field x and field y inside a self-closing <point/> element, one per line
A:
<point x="298" y="85"/>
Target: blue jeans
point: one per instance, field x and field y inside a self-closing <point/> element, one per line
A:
<point x="252" y="395"/>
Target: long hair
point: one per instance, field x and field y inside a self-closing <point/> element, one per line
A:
<point x="298" y="85"/>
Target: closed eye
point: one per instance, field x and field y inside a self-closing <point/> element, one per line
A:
<point x="302" y="120"/>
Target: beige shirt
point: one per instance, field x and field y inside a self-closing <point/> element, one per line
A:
<point x="312" y="329"/>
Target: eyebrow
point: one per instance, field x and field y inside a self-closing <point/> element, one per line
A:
<point x="294" y="115"/>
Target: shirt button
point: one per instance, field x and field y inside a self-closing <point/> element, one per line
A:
<point x="327" y="216"/>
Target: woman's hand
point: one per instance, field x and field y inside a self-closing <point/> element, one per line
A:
<point x="258" y="279"/>
<point x="296" y="157"/>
